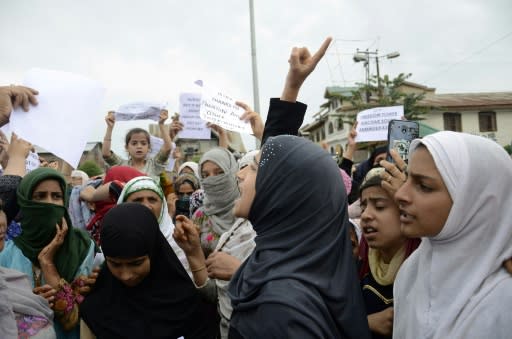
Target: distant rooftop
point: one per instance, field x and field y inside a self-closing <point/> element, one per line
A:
<point x="494" y="99"/>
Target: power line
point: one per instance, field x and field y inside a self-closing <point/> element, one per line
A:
<point x="470" y="56"/>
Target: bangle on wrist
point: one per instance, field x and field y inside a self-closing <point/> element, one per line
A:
<point x="197" y="269"/>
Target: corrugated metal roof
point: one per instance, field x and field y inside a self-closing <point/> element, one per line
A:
<point x="492" y="99"/>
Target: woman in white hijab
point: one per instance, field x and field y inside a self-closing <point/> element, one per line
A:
<point x="454" y="285"/>
<point x="146" y="191"/>
<point x="189" y="167"/>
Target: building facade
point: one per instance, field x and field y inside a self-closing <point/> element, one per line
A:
<point x="485" y="114"/>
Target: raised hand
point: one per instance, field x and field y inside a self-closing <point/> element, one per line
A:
<point x="18" y="147"/>
<point x="221" y="265"/>
<point x="223" y="134"/>
<point x="48" y="252"/>
<point x="12" y="97"/>
<point x="171" y="204"/>
<point x="164" y="114"/>
<point x="254" y="118"/>
<point x="175" y="127"/>
<point x="302" y="63"/>
<point x="186" y="235"/>
<point x="110" y="119"/>
<point x="395" y="174"/>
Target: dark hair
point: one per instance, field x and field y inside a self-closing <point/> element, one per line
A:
<point x="133" y="131"/>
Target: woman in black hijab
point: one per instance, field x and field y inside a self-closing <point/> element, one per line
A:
<point x="300" y="281"/>
<point x="143" y="290"/>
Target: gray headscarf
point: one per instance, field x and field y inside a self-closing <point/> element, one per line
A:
<point x="16" y="297"/>
<point x="220" y="191"/>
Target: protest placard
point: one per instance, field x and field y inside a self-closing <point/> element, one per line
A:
<point x="193" y="126"/>
<point x="63" y="120"/>
<point x="139" y="111"/>
<point x="372" y="124"/>
<point x="220" y="109"/>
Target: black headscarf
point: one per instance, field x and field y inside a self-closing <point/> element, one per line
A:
<point x="164" y="305"/>
<point x="302" y="246"/>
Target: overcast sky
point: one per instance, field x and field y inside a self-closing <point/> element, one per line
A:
<point x="154" y="49"/>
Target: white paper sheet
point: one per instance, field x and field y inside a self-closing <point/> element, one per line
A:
<point x="220" y="109"/>
<point x="32" y="162"/>
<point x="68" y="109"/>
<point x="372" y="124"/>
<point x="139" y="111"/>
<point x="193" y="126"/>
<point x="156" y="145"/>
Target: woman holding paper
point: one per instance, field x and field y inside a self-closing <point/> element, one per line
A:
<point x="138" y="145"/>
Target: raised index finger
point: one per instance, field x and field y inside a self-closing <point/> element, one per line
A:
<point x="321" y="51"/>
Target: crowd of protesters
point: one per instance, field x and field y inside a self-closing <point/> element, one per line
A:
<point x="284" y="242"/>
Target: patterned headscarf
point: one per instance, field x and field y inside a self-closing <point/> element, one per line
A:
<point x="147" y="183"/>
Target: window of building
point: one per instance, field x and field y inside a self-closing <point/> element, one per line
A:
<point x="487" y="121"/>
<point x="331" y="128"/>
<point x="339" y="124"/>
<point x="452" y="121"/>
<point x="322" y="131"/>
<point x="335" y="103"/>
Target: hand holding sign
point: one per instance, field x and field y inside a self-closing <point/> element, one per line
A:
<point x="139" y="111"/>
<point x="222" y="110"/>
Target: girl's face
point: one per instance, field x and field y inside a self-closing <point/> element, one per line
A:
<point x="138" y="147"/>
<point x="209" y="169"/>
<point x="48" y="191"/>
<point x="423" y="199"/>
<point x="247" y="186"/>
<point x="3" y="229"/>
<point x="149" y="199"/>
<point x="380" y="220"/>
<point x="129" y="271"/>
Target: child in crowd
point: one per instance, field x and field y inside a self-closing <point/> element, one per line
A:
<point x="138" y="145"/>
<point x="383" y="250"/>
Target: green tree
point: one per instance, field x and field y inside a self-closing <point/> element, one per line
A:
<point x="508" y="148"/>
<point x="91" y="168"/>
<point x="386" y="92"/>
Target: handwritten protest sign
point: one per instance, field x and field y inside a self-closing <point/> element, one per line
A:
<point x="220" y="109"/>
<point x="193" y="126"/>
<point x="372" y="124"/>
<point x="32" y="162"/>
<point x="139" y="111"/>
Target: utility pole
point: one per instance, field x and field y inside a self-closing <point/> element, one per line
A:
<point x="254" y="63"/>
<point x="255" y="90"/>
<point x="366" y="56"/>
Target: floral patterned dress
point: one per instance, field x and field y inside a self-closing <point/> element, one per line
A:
<point x="207" y="235"/>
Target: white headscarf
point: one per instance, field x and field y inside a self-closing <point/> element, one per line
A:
<point x="192" y="165"/>
<point x="247" y="158"/>
<point x="453" y="285"/>
<point x="164" y="220"/>
<point x="81" y="174"/>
